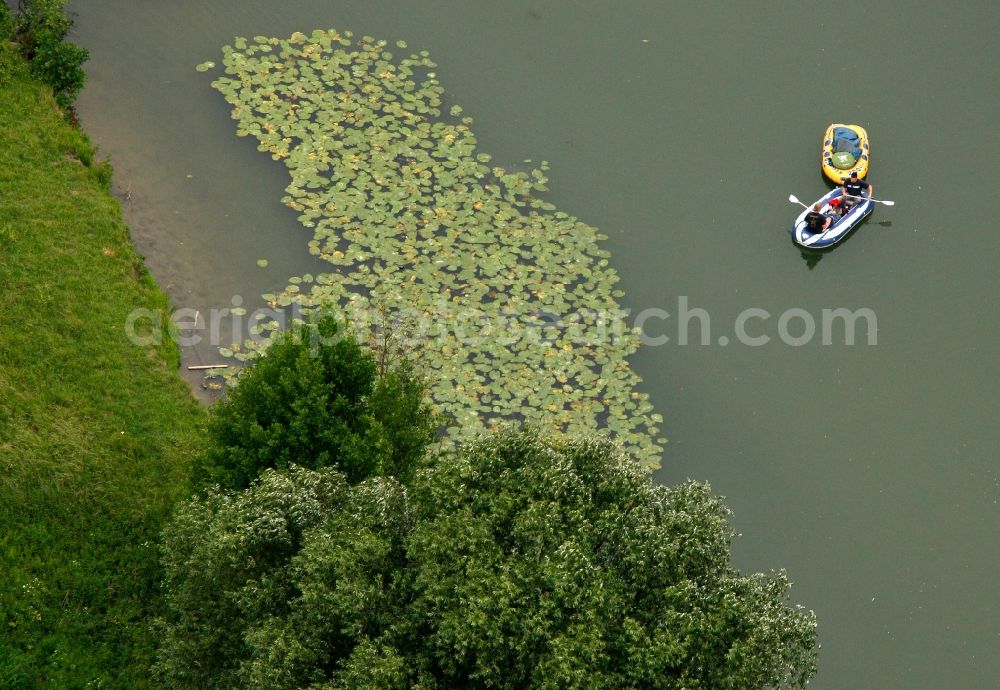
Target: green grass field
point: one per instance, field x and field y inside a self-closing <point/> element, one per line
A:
<point x="95" y="433"/>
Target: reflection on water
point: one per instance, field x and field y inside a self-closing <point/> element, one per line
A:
<point x="811" y="258"/>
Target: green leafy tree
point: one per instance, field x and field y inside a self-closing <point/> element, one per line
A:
<point x="60" y="65"/>
<point x="317" y="398"/>
<point x="41" y="27"/>
<point x="517" y="562"/>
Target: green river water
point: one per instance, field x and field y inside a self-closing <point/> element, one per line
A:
<point x="868" y="471"/>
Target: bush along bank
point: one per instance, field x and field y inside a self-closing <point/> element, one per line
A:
<point x="40" y="28"/>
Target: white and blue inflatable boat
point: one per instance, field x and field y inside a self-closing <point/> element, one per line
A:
<point x="840" y="227"/>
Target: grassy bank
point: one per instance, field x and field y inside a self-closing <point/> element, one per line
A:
<point x="95" y="432"/>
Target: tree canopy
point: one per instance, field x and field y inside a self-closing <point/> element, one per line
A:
<point x="317" y="398"/>
<point x="40" y="28"/>
<point x="516" y="562"/>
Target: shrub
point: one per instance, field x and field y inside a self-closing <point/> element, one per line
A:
<point x="60" y="65"/>
<point x="40" y="27"/>
<point x="317" y="398"/>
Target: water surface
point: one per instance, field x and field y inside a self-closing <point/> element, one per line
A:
<point x="680" y="129"/>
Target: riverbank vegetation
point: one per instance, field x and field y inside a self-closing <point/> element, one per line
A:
<point x="39" y="28"/>
<point x="95" y="433"/>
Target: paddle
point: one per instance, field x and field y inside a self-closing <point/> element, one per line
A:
<point x="795" y="200"/>
<point x="877" y="201"/>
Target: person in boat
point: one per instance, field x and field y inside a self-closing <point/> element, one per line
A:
<point x="837" y="207"/>
<point x="853" y="189"/>
<point x="815" y="220"/>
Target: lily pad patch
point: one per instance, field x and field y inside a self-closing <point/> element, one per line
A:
<point x="508" y="304"/>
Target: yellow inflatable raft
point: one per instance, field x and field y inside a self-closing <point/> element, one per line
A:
<point x="845" y="149"/>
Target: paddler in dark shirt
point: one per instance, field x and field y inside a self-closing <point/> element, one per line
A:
<point x="853" y="189"/>
<point x="816" y="222"/>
